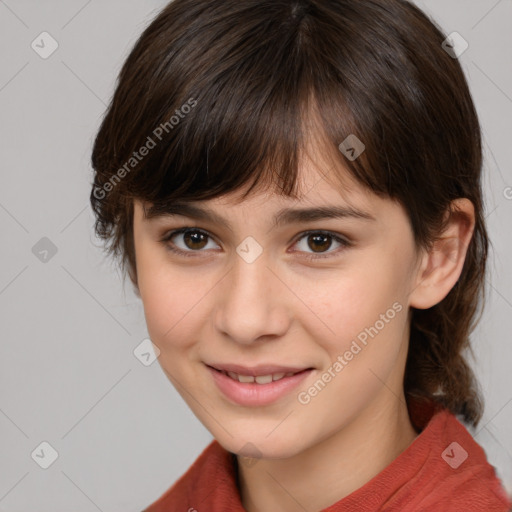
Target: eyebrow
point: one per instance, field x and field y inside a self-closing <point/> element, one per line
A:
<point x="282" y="217"/>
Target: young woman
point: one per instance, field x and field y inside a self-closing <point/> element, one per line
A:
<point x="294" y="189"/>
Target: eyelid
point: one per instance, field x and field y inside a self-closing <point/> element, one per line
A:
<point x="170" y="234"/>
<point x="338" y="237"/>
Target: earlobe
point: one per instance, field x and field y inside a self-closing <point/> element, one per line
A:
<point x="442" y="266"/>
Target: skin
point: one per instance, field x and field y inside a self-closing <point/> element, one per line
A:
<point x="284" y="309"/>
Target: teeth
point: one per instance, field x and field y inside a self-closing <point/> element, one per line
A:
<point x="264" y="379"/>
<point x="260" y="379"/>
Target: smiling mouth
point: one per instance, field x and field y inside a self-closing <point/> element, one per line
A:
<point x="259" y="379"/>
<point x="257" y="390"/>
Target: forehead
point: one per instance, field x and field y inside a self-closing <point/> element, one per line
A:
<point x="323" y="178"/>
<point x="320" y="196"/>
<point x="315" y="187"/>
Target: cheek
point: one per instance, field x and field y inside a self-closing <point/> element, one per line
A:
<point x="366" y="305"/>
<point x="171" y="297"/>
<point x="367" y="316"/>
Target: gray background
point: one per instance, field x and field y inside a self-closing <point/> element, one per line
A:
<point x="68" y="374"/>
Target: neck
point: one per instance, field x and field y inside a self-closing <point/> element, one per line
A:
<point x="333" y="468"/>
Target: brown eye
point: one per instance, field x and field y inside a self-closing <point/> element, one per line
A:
<point x="194" y="239"/>
<point x="319" y="243"/>
<point x="192" y="243"/>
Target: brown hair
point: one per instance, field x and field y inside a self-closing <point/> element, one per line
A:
<point x="217" y="93"/>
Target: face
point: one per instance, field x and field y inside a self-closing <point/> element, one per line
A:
<point x="328" y="294"/>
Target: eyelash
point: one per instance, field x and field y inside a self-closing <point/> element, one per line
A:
<point x="311" y="257"/>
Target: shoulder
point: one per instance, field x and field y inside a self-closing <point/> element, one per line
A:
<point x="443" y="469"/>
<point x="456" y="474"/>
<point x="210" y="478"/>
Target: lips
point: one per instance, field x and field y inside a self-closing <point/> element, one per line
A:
<point x="259" y="390"/>
<point x="257" y="371"/>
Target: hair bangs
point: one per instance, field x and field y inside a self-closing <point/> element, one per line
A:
<point x="256" y="114"/>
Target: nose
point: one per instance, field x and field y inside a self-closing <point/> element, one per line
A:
<point x="252" y="304"/>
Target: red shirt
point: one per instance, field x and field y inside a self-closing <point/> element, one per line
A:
<point x="443" y="470"/>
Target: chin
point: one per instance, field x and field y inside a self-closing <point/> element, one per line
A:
<point x="260" y="446"/>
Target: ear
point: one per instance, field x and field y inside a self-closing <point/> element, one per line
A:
<point x="441" y="267"/>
